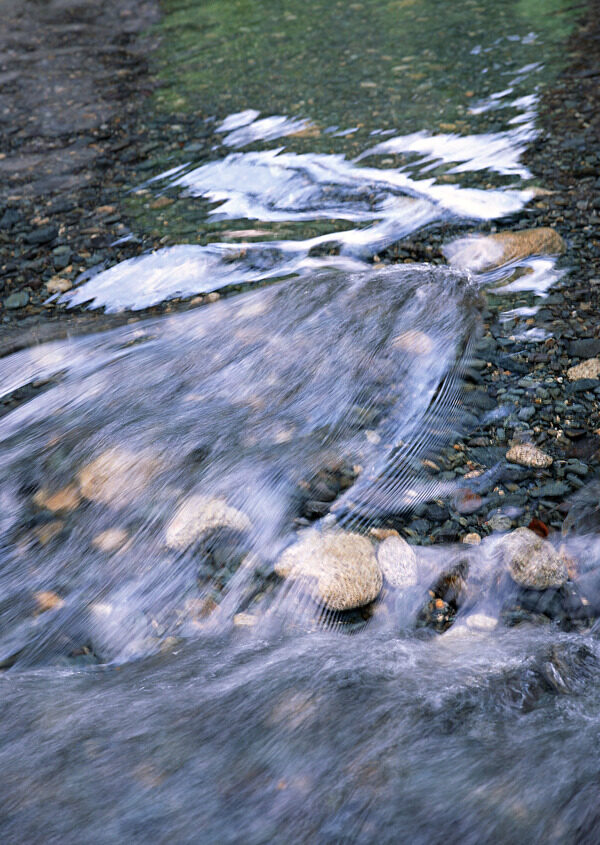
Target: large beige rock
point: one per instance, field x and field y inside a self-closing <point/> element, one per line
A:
<point x="398" y="562"/>
<point x="587" y="369"/>
<point x="116" y="477"/>
<point x="481" y="253"/>
<point x="200" y="514"/>
<point x="531" y="561"/>
<point x="341" y="567"/>
<point x="528" y="455"/>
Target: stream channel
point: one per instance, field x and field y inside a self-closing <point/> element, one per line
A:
<point x="161" y="680"/>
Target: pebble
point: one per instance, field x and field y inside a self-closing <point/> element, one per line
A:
<point x="414" y="341"/>
<point x="528" y="455"/>
<point x="481" y="622"/>
<point x="398" y="562"/>
<point x="587" y="369"/>
<point x="472" y="539"/>
<point x="500" y="522"/>
<point x="532" y="562"/>
<point x="342" y="567"/>
<point x="110" y="540"/>
<point x="200" y="514"/>
<point x="43" y="235"/>
<point x="58" y="285"/>
<point x="17" y="300"/>
<point x="47" y="600"/>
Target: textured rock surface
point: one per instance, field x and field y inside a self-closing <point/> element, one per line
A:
<point x="341" y="565"/>
<point x="528" y="455"/>
<point x="531" y="561"/>
<point x="587" y="369"/>
<point x="398" y="562"/>
<point x="200" y="514"/>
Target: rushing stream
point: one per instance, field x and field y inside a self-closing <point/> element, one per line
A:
<point x="160" y="678"/>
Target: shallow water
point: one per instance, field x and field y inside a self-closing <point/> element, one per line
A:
<point x="158" y="679"/>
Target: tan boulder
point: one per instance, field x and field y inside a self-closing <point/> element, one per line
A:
<point x="481" y="253"/>
<point x="341" y="567"/>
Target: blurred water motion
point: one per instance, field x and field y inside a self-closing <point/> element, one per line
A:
<point x="243" y="402"/>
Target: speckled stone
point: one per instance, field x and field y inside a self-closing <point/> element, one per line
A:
<point x="341" y="568"/>
<point x="531" y="561"/>
<point x="587" y="369"/>
<point x="528" y="455"/>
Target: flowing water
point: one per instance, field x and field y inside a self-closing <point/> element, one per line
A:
<point x="159" y="679"/>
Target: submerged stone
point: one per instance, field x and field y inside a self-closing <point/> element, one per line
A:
<point x="200" y="515"/>
<point x="531" y="561"/>
<point x="341" y="565"/>
<point x="116" y="477"/>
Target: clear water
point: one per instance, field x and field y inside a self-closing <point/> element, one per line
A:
<point x="154" y="689"/>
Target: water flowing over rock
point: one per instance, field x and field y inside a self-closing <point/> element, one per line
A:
<point x="254" y="416"/>
<point x="486" y="252"/>
<point x="398" y="562"/>
<point x="341" y="566"/>
<point x="531" y="561"/>
<point x="200" y="515"/>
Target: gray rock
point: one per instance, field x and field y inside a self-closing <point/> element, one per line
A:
<point x="17" y="300"/>
<point x="531" y="561"/>
<point x="550" y="490"/>
<point x="526" y="413"/>
<point x="586" y="348"/>
<point x="43" y="235"/>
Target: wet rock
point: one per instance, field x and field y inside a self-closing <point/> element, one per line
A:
<point x="437" y="615"/>
<point x="472" y="539"/>
<point x="200" y="515"/>
<point x="552" y="490"/>
<point x="58" y="285"/>
<point x="589" y="369"/>
<point x="486" y="252"/>
<point x="110" y="540"/>
<point x="481" y="622"/>
<point x="588" y="347"/>
<point x="398" y="562"/>
<point x="342" y="566"/>
<point x="414" y="341"/>
<point x="528" y="455"/>
<point x="66" y="499"/>
<point x="43" y="235"/>
<point x="500" y="522"/>
<point x="531" y="561"/>
<point x="116" y="477"/>
<point x="47" y="600"/>
<point x="16" y="300"/>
